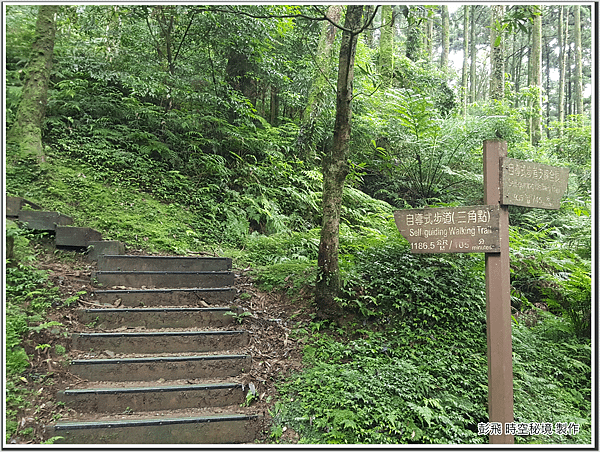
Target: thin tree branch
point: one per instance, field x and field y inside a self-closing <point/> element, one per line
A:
<point x="322" y="17"/>
<point x="184" y="36"/>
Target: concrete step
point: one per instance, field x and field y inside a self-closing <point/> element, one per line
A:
<point x="165" y="297"/>
<point x="151" y="398"/>
<point x="154" y="368"/>
<point x="14" y="204"/>
<point x="41" y="220"/>
<point x="163" y="279"/>
<point x="163" y="263"/>
<point x="216" y="429"/>
<point x="161" y="342"/>
<point x="157" y="317"/>
<point x="104" y="247"/>
<point x="75" y="237"/>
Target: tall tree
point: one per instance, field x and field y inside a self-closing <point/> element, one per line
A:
<point x="569" y="81"/>
<point x="445" y="38"/>
<point x="496" y="54"/>
<point x="546" y="32"/>
<point x="335" y="167"/>
<point x="536" y="78"/>
<point x="563" y="34"/>
<point x="414" y="35"/>
<point x="465" y="67"/>
<point x="369" y="32"/>
<point x="26" y="132"/>
<point x="428" y="32"/>
<point x="519" y="66"/>
<point x="274" y="106"/>
<point x="578" y="62"/>
<point x="472" y="55"/>
<point x="386" y="44"/>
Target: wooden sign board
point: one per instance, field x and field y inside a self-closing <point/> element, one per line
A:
<point x="532" y="184"/>
<point x="470" y="229"/>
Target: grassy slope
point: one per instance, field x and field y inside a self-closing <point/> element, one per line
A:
<point x="117" y="212"/>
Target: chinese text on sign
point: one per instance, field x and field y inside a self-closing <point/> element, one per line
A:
<point x="470" y="229"/>
<point x="532" y="184"/>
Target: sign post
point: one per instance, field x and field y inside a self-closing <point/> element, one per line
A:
<point x="498" y="316"/>
<point x="484" y="229"/>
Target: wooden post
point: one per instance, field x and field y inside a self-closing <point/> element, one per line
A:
<point x="498" y="315"/>
<point x="506" y="182"/>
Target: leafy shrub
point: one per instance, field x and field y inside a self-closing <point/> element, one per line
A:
<point x="576" y="301"/>
<point x="423" y="290"/>
<point x="373" y="391"/>
<point x="17" y="241"/>
<point x="545" y="269"/>
<point x="421" y="158"/>
<point x="290" y="276"/>
<point x="15" y="400"/>
<point x="27" y="299"/>
<point x="278" y="248"/>
<point x="552" y="378"/>
<point x="16" y="326"/>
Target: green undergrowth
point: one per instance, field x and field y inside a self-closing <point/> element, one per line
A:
<point x="411" y="367"/>
<point x="263" y="220"/>
<point x="408" y="363"/>
<point x="119" y="214"/>
<point x="552" y="378"/>
<point x="551" y="265"/>
<point x="30" y="296"/>
<point x="373" y="390"/>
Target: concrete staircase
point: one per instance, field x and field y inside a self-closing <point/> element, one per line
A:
<point x="160" y="362"/>
<point x="161" y="367"/>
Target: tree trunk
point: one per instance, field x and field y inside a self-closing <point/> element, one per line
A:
<point x="274" y="106"/>
<point x="546" y="58"/>
<point x="26" y="132"/>
<point x="570" y="92"/>
<point x="563" y="33"/>
<point x="496" y="54"/>
<point x="465" y="68"/>
<point x="168" y="37"/>
<point x="536" y="80"/>
<point x="519" y="65"/>
<point x="578" y="65"/>
<point x="335" y="169"/>
<point x="386" y="44"/>
<point x="513" y="64"/>
<point x="473" y="55"/>
<point x="445" y="38"/>
<point x="429" y="35"/>
<point x="414" y="40"/>
<point x="166" y="25"/>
